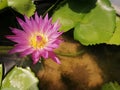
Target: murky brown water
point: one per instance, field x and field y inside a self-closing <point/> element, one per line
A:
<point x="87" y="71"/>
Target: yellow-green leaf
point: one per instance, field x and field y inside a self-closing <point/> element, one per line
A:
<point x="72" y="12"/>
<point x="115" y="40"/>
<point x="97" y="26"/>
<point x="20" y="79"/>
<point x="3" y="4"/>
<point x="25" y="7"/>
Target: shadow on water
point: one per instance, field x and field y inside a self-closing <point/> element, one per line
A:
<point x="108" y="59"/>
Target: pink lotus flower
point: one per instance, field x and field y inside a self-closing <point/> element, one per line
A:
<point x="38" y="38"/>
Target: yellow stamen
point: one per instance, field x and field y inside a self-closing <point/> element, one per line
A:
<point x="38" y="41"/>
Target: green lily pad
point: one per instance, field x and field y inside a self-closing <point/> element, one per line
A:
<point x="115" y="40"/>
<point x="1" y="73"/>
<point x="72" y="12"/>
<point x="20" y="79"/>
<point x="3" y="4"/>
<point x="97" y="26"/>
<point x="111" y="86"/>
<point x="10" y="88"/>
<point x="25" y="7"/>
<point x="93" y="20"/>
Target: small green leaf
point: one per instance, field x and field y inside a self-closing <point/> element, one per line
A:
<point x="115" y="40"/>
<point x="3" y="4"/>
<point x="97" y="26"/>
<point x="1" y="73"/>
<point x="111" y="86"/>
<point x="20" y="79"/>
<point x="10" y="88"/>
<point x="25" y="7"/>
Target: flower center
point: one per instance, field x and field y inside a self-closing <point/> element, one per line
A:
<point x="38" y="41"/>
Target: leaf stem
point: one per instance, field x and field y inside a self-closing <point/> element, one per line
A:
<point x="4" y="49"/>
<point x="50" y="8"/>
<point x="70" y="55"/>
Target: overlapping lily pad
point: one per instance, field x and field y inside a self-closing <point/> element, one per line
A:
<point x="93" y="20"/>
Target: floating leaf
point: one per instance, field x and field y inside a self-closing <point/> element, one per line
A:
<point x="10" y="88"/>
<point x="1" y="73"/>
<point x="72" y="12"/>
<point x="116" y="36"/>
<point x="97" y="26"/>
<point x="111" y="86"/>
<point x="20" y="79"/>
<point x="25" y="7"/>
<point x="3" y="4"/>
